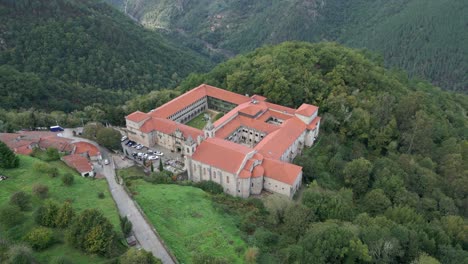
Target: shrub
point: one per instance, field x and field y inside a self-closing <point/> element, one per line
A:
<point x="53" y="172"/>
<point x="46" y="214"/>
<point x="68" y="179"/>
<point x="42" y="167"/>
<point x="64" y="215"/>
<point x="8" y="159"/>
<point x="20" y="199"/>
<point x="20" y="254"/>
<point x="251" y="255"/>
<point x="210" y="186"/>
<point x="138" y="256"/>
<point x="40" y="190"/>
<point x="101" y="195"/>
<point x="11" y="216"/>
<point x="39" y="238"/>
<point x="91" y="232"/>
<point x="126" y="225"/>
<point x="52" y="154"/>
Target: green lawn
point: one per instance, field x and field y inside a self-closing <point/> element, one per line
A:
<point x="83" y="194"/>
<point x="188" y="223"/>
<point x="198" y="122"/>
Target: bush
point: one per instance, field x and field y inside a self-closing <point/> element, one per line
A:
<point x="210" y="186"/>
<point x="39" y="238"/>
<point x="126" y="225"/>
<point x="20" y="254"/>
<point x="68" y="179"/>
<point x="20" y="199"/>
<point x="8" y="159"/>
<point x="138" y="256"/>
<point x="40" y="190"/>
<point x="101" y="195"/>
<point x="11" y="216"/>
<point x="91" y="232"/>
<point x="64" y="215"/>
<point x="52" y="154"/>
<point x="46" y="214"/>
<point x="53" y="172"/>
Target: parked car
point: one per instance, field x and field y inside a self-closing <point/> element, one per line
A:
<point x="106" y="162"/>
<point x="159" y="153"/>
<point x="140" y="154"/>
<point x="153" y="157"/>
<point x="135" y="145"/>
<point x="134" y="154"/>
<point x="139" y="146"/>
<point x="150" y="152"/>
<point x="124" y="138"/>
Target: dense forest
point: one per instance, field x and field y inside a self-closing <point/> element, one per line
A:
<point x="425" y="37"/>
<point x="387" y="179"/>
<point x="66" y="54"/>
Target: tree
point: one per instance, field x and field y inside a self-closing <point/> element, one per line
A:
<point x="109" y="138"/>
<point x="8" y="159"/>
<point x="52" y="154"/>
<point x="20" y="254"/>
<point x="64" y="215"/>
<point x="357" y="175"/>
<point x="331" y="242"/>
<point x="40" y="190"/>
<point x="91" y="232"/>
<point x="376" y="202"/>
<point x="11" y="216"/>
<point x="126" y="225"/>
<point x="134" y="256"/>
<point x="39" y="238"/>
<point x="296" y="219"/>
<point x="160" y="168"/>
<point x="20" y="199"/>
<point x="46" y="214"/>
<point x="68" y="179"/>
<point x="425" y="259"/>
<point x="251" y="255"/>
<point x="91" y="130"/>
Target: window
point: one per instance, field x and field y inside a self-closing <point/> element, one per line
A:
<point x="204" y="171"/>
<point x="252" y="184"/>
<point x="227" y="179"/>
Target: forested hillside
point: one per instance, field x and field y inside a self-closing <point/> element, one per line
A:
<point x="388" y="176"/>
<point x="426" y="37"/>
<point x="67" y="54"/>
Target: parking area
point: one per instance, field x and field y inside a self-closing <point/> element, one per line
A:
<point x="173" y="162"/>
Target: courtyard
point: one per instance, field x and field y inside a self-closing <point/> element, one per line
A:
<point x="200" y="120"/>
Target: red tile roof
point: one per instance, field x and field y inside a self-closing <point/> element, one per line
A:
<point x="314" y="123"/>
<point x="85" y="147"/>
<point x="176" y="104"/>
<point x="306" y="110"/>
<point x="258" y="97"/>
<point x="81" y="164"/>
<point x="23" y="150"/>
<point x="281" y="171"/>
<point x="221" y="154"/>
<point x="167" y="126"/>
<point x="258" y="171"/>
<point x="276" y="143"/>
<point x="137" y="116"/>
<point x="59" y="143"/>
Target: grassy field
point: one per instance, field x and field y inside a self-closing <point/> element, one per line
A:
<point x="198" y="122"/>
<point x="83" y="194"/>
<point x="188" y="223"/>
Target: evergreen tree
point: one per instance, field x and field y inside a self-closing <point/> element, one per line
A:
<point x="8" y="159"/>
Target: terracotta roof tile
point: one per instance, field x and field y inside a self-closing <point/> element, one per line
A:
<point x="85" y="147"/>
<point x="137" y="116"/>
<point x="314" y="123"/>
<point x="275" y="144"/>
<point x="81" y="164"/>
<point x="281" y="171"/>
<point x="306" y="110"/>
<point x="258" y="171"/>
<point x="176" y="104"/>
<point x="61" y="144"/>
<point x="221" y="154"/>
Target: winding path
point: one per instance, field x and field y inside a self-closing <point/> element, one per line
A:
<point x="142" y="230"/>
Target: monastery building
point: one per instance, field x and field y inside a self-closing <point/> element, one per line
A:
<point x="247" y="150"/>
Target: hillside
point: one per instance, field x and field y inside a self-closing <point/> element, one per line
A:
<point x="389" y="170"/>
<point x="67" y="54"/>
<point x="425" y="37"/>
